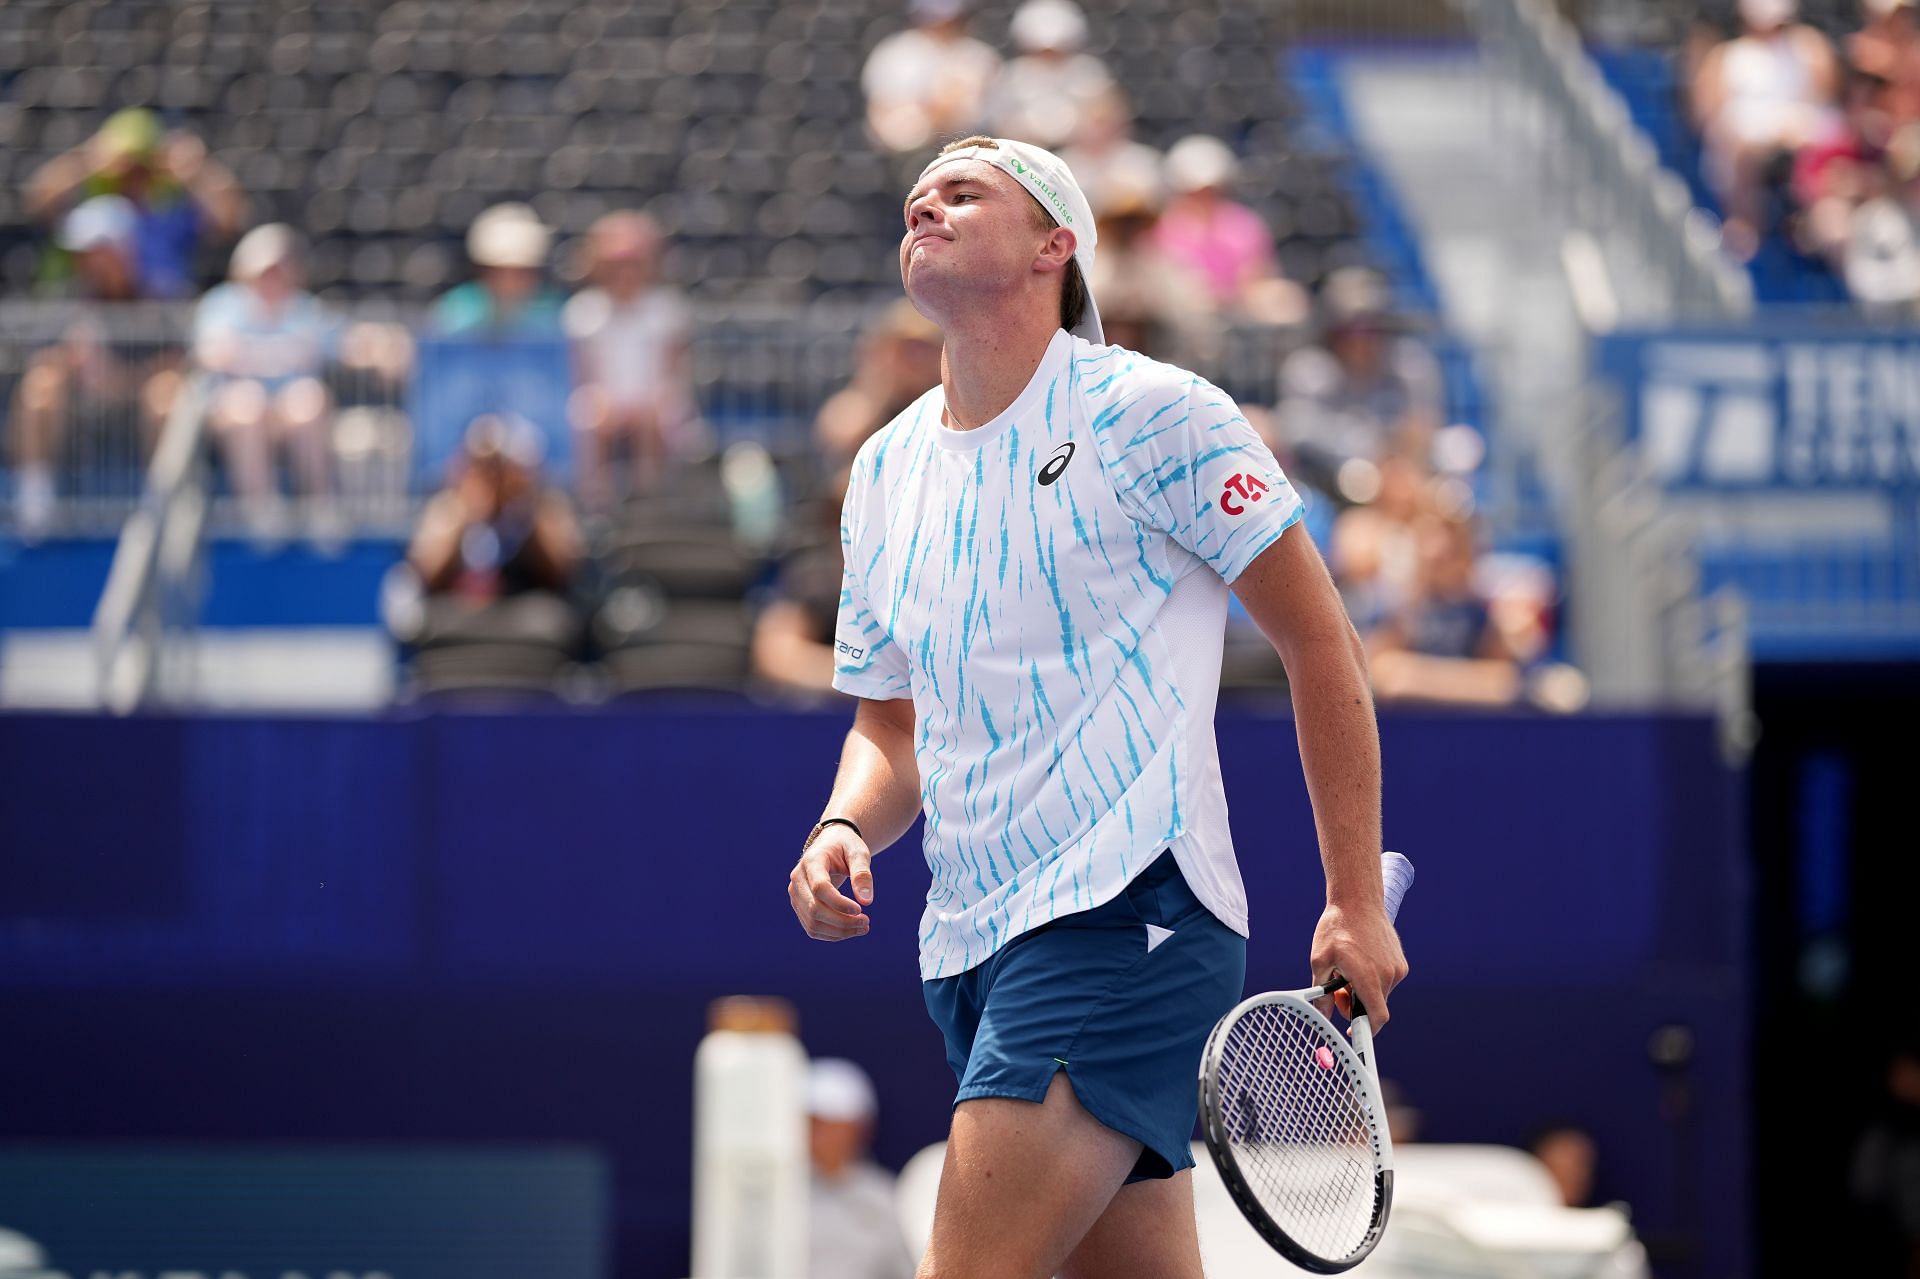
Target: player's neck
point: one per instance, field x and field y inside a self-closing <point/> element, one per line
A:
<point x="985" y="366"/>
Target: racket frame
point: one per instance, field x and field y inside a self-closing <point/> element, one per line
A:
<point x="1360" y="1064"/>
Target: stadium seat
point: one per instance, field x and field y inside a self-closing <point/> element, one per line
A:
<point x="630" y="104"/>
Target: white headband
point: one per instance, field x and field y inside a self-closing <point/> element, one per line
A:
<point x="1046" y="177"/>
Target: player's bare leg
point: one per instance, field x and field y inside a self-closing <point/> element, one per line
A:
<point x="1148" y="1229"/>
<point x="1022" y="1185"/>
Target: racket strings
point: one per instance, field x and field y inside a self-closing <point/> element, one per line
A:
<point x="1298" y="1124"/>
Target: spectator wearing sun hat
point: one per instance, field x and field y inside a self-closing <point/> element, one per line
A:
<point x="508" y="296"/>
<point x="265" y="342"/>
<point x="852" y="1230"/>
<point x="1045" y="95"/>
<point x="630" y="334"/>
<point x="1367" y="387"/>
<point x="1149" y="301"/>
<point x="1226" y="243"/>
<point x="929" y="81"/>
<point x="180" y="196"/>
<point x="86" y="376"/>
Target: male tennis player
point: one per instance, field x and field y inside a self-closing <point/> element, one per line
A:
<point x="1038" y="553"/>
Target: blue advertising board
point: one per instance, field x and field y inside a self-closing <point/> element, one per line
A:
<point x="457" y="379"/>
<point x="455" y="928"/>
<point x="1796" y="452"/>
<point x="309" y="1212"/>
<point x="1747" y="409"/>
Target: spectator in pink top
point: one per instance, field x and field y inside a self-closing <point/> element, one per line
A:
<point x="1225" y="243"/>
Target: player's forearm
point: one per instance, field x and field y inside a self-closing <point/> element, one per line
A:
<point x="878" y="785"/>
<point x="1340" y="755"/>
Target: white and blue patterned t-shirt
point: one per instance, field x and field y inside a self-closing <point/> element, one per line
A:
<point x="1051" y="591"/>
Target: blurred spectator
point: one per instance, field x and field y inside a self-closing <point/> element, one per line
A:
<point x="1227" y="244"/>
<point x="1886" y="1168"/>
<point x="1366" y="389"/>
<point x="630" y="336"/>
<point x="1887" y="50"/>
<point x="1149" y="301"/>
<point x="853" y="1230"/>
<point x="264" y="342"/>
<point x="496" y="551"/>
<point x="1838" y="168"/>
<point x="898" y="362"/>
<point x="102" y="240"/>
<point x="1880" y="257"/>
<point x="1375" y="554"/>
<point x="1105" y="159"/>
<point x="1570" y="1156"/>
<point x="928" y="82"/>
<point x="1757" y="98"/>
<point x="508" y="297"/>
<point x="1047" y="93"/>
<point x="86" y="378"/>
<point x="179" y="197"/>
<point x="793" y="634"/>
<point x="1441" y="644"/>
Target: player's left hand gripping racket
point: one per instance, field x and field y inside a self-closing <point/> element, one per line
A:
<point x="1292" y="1114"/>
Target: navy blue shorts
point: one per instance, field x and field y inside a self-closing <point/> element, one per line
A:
<point x="1121" y="997"/>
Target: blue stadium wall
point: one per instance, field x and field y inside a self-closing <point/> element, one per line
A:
<point x="506" y="928"/>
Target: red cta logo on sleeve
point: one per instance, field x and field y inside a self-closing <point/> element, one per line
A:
<point x="1240" y="490"/>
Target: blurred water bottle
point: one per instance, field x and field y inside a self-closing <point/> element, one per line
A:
<point x="753" y="493"/>
<point x="750" y="1162"/>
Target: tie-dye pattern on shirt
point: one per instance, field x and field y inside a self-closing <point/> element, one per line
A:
<point x="1062" y="740"/>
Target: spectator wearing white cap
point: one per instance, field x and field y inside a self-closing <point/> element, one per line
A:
<point x="85" y="376"/>
<point x="508" y="245"/>
<point x="929" y="81"/>
<point x="1225" y="242"/>
<point x="101" y="236"/>
<point x="1106" y="158"/>
<point x="1046" y="95"/>
<point x="853" y="1232"/>
<point x="181" y="197"/>
<point x="266" y="341"/>
<point x="1765" y="92"/>
<point x="630" y="334"/>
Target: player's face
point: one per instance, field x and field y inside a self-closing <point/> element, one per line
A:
<point x="970" y="229"/>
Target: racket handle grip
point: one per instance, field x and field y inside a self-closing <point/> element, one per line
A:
<point x="1397" y="873"/>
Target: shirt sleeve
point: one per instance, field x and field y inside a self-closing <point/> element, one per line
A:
<point x="866" y="661"/>
<point x="1191" y="466"/>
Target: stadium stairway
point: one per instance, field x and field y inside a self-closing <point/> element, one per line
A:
<point x="1411" y="121"/>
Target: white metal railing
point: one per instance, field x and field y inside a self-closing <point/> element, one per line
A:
<point x="1611" y="173"/>
<point x="1642" y="630"/>
<point x="760" y="371"/>
<point x="151" y="597"/>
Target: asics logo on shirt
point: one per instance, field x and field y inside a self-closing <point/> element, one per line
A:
<point x="1056" y="463"/>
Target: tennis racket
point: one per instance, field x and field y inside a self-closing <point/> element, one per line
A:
<point x="1292" y="1114"/>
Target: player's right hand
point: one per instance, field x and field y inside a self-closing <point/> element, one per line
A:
<point x="828" y="914"/>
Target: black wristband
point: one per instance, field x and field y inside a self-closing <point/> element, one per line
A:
<point x="825" y="822"/>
